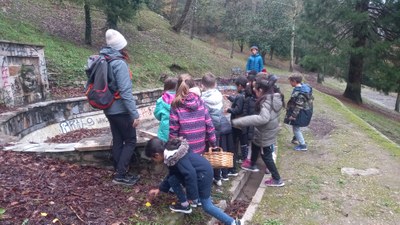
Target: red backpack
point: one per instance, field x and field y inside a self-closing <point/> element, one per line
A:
<point x="100" y="75"/>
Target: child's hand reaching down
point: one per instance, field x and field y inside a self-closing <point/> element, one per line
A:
<point x="153" y="193"/>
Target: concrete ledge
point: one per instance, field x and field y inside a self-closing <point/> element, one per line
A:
<point x="255" y="201"/>
<point x="238" y="183"/>
<point x="94" y="143"/>
<point x="41" y="147"/>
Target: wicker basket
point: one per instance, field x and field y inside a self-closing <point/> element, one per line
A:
<point x="218" y="158"/>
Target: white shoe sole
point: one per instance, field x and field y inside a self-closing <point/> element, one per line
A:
<point x="182" y="211"/>
<point x="248" y="169"/>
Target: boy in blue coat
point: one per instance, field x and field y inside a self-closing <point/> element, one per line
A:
<point x="195" y="170"/>
<point x="254" y="62"/>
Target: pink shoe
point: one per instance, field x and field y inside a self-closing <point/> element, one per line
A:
<point x="274" y="183"/>
<point x="246" y="163"/>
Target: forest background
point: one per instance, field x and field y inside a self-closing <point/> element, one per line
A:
<point x="318" y="38"/>
<point x="355" y="41"/>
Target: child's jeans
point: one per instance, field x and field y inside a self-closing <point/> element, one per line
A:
<point x="176" y="185"/>
<point x="216" y="212"/>
<point x="299" y="136"/>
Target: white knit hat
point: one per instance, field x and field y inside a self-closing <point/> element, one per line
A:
<point x="115" y="40"/>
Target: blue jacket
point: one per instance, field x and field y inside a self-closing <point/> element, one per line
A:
<point x="255" y="62"/>
<point x="126" y="104"/>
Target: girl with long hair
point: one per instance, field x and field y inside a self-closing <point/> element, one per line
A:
<point x="189" y="118"/>
<point x="266" y="125"/>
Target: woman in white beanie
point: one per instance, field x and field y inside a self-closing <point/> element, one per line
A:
<point x="122" y="115"/>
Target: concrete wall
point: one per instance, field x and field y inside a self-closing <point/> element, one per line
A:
<point x="24" y="77"/>
<point x="66" y="115"/>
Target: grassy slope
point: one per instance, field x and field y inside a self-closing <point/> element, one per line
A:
<point x="154" y="50"/>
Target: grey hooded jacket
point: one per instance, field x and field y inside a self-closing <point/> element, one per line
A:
<point x="126" y="104"/>
<point x="266" y="122"/>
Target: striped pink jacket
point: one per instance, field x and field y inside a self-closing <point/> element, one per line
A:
<point x="192" y="121"/>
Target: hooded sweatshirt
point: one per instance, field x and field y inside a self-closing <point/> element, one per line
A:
<point x="265" y="122"/>
<point x="192" y="121"/>
<point x="213" y="101"/>
<point x="122" y="81"/>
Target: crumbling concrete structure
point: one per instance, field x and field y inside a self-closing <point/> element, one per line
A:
<point x="24" y="77"/>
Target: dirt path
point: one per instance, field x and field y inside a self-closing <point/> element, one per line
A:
<point x="317" y="191"/>
<point x="368" y="94"/>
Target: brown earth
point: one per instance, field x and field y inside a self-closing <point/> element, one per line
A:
<point x="38" y="190"/>
<point x="311" y="79"/>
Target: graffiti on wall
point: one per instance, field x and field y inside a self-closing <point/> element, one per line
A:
<point x="81" y="123"/>
<point x="5" y="84"/>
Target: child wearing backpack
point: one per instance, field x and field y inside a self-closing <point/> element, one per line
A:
<point x="189" y="117"/>
<point x="196" y="171"/>
<point x="299" y="110"/>
<point x="266" y="125"/>
<point x="213" y="100"/>
<point x="163" y="107"/>
<point x="122" y="114"/>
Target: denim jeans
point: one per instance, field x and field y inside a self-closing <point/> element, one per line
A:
<point x="124" y="142"/>
<point x="216" y="212"/>
<point x="176" y="185"/>
<point x="299" y="136"/>
<point x="266" y="156"/>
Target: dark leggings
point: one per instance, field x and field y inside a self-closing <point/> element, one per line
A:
<point x="266" y="156"/>
<point x="124" y="142"/>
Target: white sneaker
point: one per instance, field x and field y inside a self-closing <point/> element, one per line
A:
<point x="218" y="183"/>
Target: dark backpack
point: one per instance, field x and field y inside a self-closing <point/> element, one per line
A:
<point x="98" y="91"/>
<point x="304" y="117"/>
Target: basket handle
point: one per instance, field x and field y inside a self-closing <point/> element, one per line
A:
<point x="219" y="149"/>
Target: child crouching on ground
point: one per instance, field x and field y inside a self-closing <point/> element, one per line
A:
<point x="196" y="171"/>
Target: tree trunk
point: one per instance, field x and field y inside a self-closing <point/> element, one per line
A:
<point x="320" y="78"/>
<point x="193" y="19"/>
<point x="397" y="105"/>
<point x="178" y="26"/>
<point x="292" y="47"/>
<point x="271" y="53"/>
<point x="111" y="22"/>
<point x="241" y="46"/>
<point x="232" y="47"/>
<point x="263" y="54"/>
<point x="173" y="11"/>
<point x="353" y="88"/>
<point x="88" y="22"/>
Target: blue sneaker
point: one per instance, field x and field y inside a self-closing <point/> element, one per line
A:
<point x="300" y="148"/>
